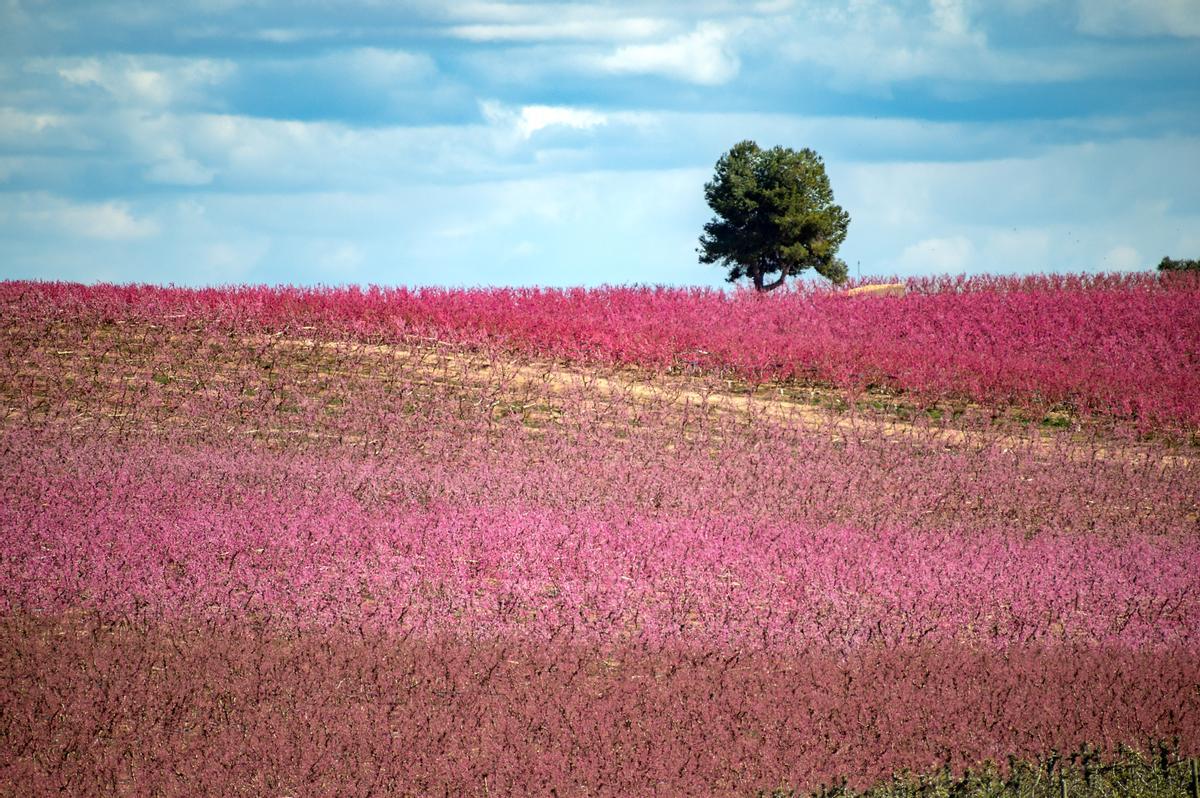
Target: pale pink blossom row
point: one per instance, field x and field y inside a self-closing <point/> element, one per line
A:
<point x="144" y="532"/>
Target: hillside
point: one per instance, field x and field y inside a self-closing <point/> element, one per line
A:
<point x="617" y="542"/>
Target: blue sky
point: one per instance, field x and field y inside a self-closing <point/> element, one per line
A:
<point x="490" y="143"/>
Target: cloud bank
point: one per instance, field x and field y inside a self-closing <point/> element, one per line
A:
<point x="494" y="143"/>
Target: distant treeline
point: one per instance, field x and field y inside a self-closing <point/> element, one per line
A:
<point x="1172" y="265"/>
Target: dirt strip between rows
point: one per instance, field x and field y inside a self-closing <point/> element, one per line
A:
<point x="693" y="393"/>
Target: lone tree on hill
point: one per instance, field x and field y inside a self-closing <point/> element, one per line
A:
<point x="774" y="214"/>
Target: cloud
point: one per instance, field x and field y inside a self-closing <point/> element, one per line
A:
<point x="1121" y="18"/>
<point x="426" y="142"/>
<point x="703" y="57"/>
<point x="587" y="228"/>
<point x="583" y="29"/>
<point x="29" y="132"/>
<point x="1080" y="207"/>
<point x="950" y="19"/>
<point x="877" y="43"/>
<point x="530" y="119"/>
<point x="15" y="123"/>
<point x="355" y="83"/>
<point x="164" y="145"/>
<point x="535" y="117"/>
<point x="107" y="221"/>
<point x="94" y="155"/>
<point x="1063" y="208"/>
<point x="141" y="81"/>
<point x="110" y="220"/>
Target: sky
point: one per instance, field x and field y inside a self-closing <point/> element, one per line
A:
<point x="215" y="142"/>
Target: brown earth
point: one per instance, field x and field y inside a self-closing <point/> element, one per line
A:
<point x="109" y="372"/>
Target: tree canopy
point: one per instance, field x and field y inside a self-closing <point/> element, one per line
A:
<point x="775" y="215"/>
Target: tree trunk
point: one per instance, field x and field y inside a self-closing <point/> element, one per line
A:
<point x="774" y="285"/>
<point x="758" y="272"/>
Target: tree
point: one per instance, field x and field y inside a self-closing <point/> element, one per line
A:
<point x="774" y="214"/>
<point x="1172" y="265"/>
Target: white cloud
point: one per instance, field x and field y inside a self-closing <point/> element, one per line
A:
<point x="138" y="81"/>
<point x="18" y="124"/>
<point x="528" y="177"/>
<point x="704" y="57"/>
<point x="41" y="132"/>
<point x="593" y="29"/>
<point x="1058" y="209"/>
<point x="109" y="221"/>
<point x="1139" y="17"/>
<point x="529" y="119"/>
<point x="159" y="142"/>
<point x="1083" y="207"/>
<point x="535" y="117"/>
<point x="950" y="19"/>
<point x="255" y="153"/>
<point x="874" y="43"/>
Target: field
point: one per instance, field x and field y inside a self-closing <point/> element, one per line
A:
<point x="610" y="542"/>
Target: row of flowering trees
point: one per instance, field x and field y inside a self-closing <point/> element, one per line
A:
<point x="1116" y="345"/>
